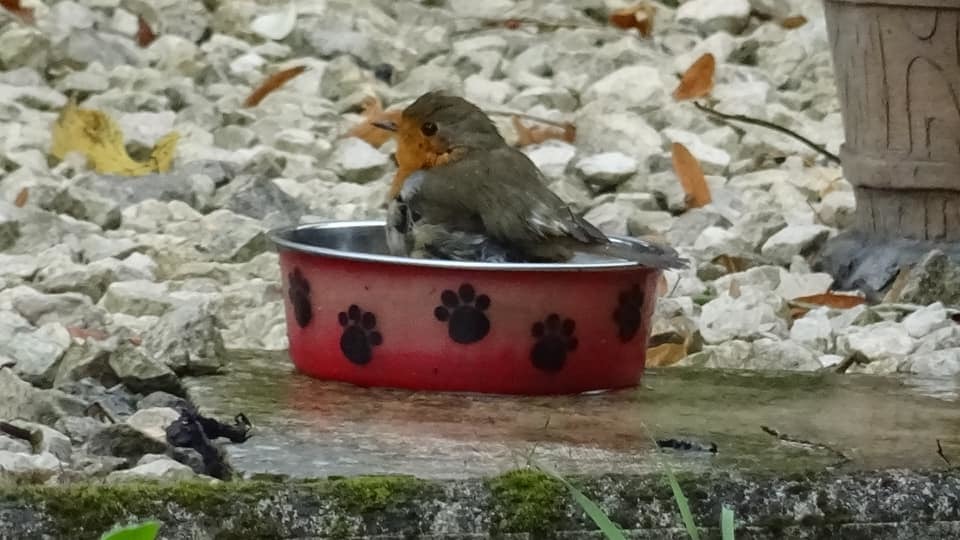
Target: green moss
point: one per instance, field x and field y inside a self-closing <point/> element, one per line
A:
<point x="526" y="500"/>
<point x="363" y="494"/>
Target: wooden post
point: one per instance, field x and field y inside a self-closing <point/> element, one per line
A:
<point x="897" y="64"/>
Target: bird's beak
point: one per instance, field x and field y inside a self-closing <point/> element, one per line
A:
<point x="388" y="125"/>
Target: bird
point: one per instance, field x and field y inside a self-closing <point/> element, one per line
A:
<point x="462" y="193"/>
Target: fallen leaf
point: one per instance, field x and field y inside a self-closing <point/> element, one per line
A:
<point x="145" y="35"/>
<point x="13" y="6"/>
<point x="537" y="134"/>
<point x="639" y="16"/>
<point x="834" y="300"/>
<point x="22" y="198"/>
<point x="666" y="354"/>
<point x="94" y="134"/>
<point x="698" y="79"/>
<point x="732" y="264"/>
<point x="795" y="21"/>
<point x="272" y="82"/>
<point x="373" y="112"/>
<point x="78" y="332"/>
<point x="828" y="299"/>
<point x="691" y="176"/>
<point x="512" y="24"/>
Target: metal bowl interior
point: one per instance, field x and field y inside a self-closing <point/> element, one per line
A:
<point x="366" y="241"/>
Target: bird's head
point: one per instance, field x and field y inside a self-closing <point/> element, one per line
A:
<point x="436" y="126"/>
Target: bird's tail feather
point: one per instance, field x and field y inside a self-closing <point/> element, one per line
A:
<point x="644" y="253"/>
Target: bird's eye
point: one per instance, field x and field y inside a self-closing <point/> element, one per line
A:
<point x="429" y="129"/>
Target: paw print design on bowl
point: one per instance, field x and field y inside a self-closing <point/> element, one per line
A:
<point x="463" y="311"/>
<point x="629" y="313"/>
<point x="299" y="291"/>
<point x="360" y="334"/>
<point x="554" y="341"/>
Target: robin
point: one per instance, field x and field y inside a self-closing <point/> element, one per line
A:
<point x="462" y="193"/>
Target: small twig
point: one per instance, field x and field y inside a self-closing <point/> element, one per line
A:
<point x="769" y="125"/>
<point x="803" y="442"/>
<point x="941" y="454"/>
<point x="530" y="117"/>
<point x="856" y="357"/>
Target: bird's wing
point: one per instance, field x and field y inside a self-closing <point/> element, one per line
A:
<point x="502" y="195"/>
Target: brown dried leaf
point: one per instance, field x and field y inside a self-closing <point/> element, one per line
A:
<point x="537" y="134"/>
<point x="795" y="21"/>
<point x="145" y="35"/>
<point x="828" y="299"/>
<point x="698" y="79"/>
<point x="639" y="16"/>
<point x="272" y="82"/>
<point x="373" y="112"/>
<point x="22" y="198"/>
<point x="13" y="6"/>
<point x="732" y="264"/>
<point x="78" y="332"/>
<point x="666" y="354"/>
<point x="691" y="177"/>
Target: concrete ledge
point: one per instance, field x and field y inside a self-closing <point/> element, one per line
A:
<point x="886" y="504"/>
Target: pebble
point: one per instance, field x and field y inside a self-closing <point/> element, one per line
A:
<point x="710" y="16"/>
<point x="794" y="240"/>
<point x="608" y="169"/>
<point x="356" y="161"/>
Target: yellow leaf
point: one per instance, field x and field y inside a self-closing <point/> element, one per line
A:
<point x="793" y="22"/>
<point x="94" y="134"/>
<point x="666" y="354"/>
<point x="691" y="177"/>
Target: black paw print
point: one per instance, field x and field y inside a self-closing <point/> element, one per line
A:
<point x="360" y="334"/>
<point x="629" y="313"/>
<point x="554" y="340"/>
<point x="300" y="297"/>
<point x="465" y="312"/>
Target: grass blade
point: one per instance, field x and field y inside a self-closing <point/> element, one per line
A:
<point x="141" y="531"/>
<point x="610" y="530"/>
<point x="726" y="523"/>
<point x="685" y="513"/>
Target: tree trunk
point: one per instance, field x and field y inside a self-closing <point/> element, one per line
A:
<point x="897" y="64"/>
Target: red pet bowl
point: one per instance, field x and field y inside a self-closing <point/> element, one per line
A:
<point x="357" y="315"/>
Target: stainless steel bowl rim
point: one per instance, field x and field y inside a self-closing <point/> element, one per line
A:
<point x="277" y="237"/>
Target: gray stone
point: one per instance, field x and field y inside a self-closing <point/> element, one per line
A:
<point x="935" y="278"/>
<point x="813" y="330"/>
<point x="27" y="468"/>
<point x="187" y="340"/>
<point x="18" y="266"/>
<point x="755" y="312"/>
<point x="164" y="469"/>
<point x="9" y="444"/>
<point x="628" y="86"/>
<point x="108" y="404"/>
<point x="942" y="363"/>
<point x="88" y="359"/>
<point x="35" y="351"/>
<point x="225" y="236"/>
<point x="794" y="240"/>
<point x="68" y="309"/>
<point x="124" y="441"/>
<point x="9" y="228"/>
<point x="138" y="298"/>
<point x="21" y="400"/>
<point x="47" y="439"/>
<point x="836" y="209"/>
<point x="551" y="157"/>
<point x="79" y="428"/>
<point x="257" y="197"/>
<point x="878" y="341"/>
<point x="649" y="222"/>
<point x="153" y="422"/>
<point x="730" y="15"/>
<point x="90" y="279"/>
<point x="142" y="373"/>
<point x="354" y="160"/>
<point x="161" y="399"/>
<point x="926" y="320"/>
<point x="608" y="169"/>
